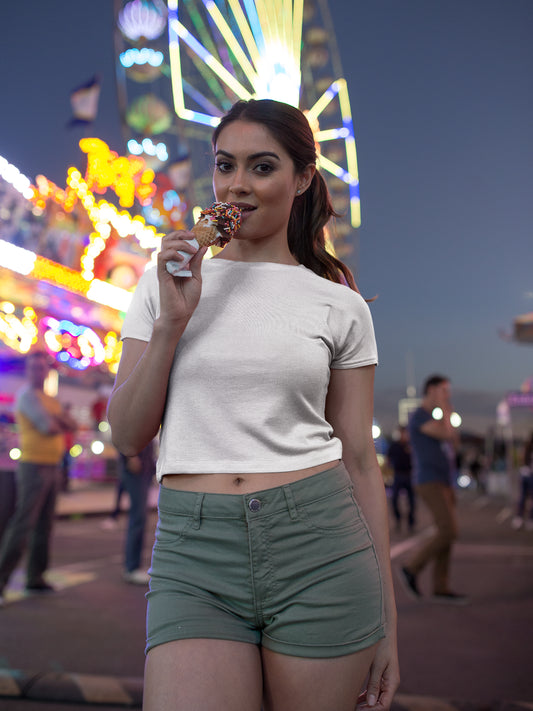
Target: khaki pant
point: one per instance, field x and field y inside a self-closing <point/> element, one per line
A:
<point x="440" y="500"/>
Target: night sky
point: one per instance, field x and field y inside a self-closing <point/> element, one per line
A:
<point x="442" y="102"/>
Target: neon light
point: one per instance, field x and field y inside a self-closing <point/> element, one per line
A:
<point x="127" y="176"/>
<point x="75" y="345"/>
<point x="332" y="134"/>
<point x="141" y="56"/>
<point x="138" y="19"/>
<point x="18" y="334"/>
<point x="245" y="31"/>
<point x="16" y="258"/>
<point x="208" y="58"/>
<point x="109" y="295"/>
<point x="18" y="180"/>
<point x="230" y="39"/>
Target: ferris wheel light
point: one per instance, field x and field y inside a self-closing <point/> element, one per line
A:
<point x="139" y="19"/>
<point x="141" y="56"/>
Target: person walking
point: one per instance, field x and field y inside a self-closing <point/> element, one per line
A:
<point x="270" y="583"/>
<point x="433" y="444"/>
<point x="399" y="457"/>
<point x="136" y="474"/>
<point x="41" y="422"/>
<point x="525" y="499"/>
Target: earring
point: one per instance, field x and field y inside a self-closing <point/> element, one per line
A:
<point x="298" y="191"/>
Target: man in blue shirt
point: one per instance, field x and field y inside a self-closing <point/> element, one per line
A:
<point x="433" y="441"/>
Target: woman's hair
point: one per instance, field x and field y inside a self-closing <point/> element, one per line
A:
<point x="310" y="211"/>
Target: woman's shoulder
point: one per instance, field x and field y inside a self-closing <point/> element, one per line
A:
<point x="338" y="294"/>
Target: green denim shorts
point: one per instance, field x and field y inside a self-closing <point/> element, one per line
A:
<point x="291" y="568"/>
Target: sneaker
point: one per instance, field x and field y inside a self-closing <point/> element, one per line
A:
<point x="41" y="586"/>
<point x="136" y="577"/>
<point x="517" y="522"/>
<point x="409" y="583"/>
<point x="451" y="598"/>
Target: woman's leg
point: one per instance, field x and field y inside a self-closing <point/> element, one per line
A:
<point x="203" y="675"/>
<point x="303" y="684"/>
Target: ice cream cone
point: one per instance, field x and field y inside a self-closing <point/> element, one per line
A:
<point x="206" y="234"/>
<point x="217" y="225"/>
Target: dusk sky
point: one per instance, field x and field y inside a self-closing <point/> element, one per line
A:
<point x="442" y="101"/>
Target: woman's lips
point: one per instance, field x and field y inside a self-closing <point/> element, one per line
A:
<point x="246" y="210"/>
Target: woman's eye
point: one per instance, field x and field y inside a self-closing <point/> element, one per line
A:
<point x="222" y="166"/>
<point x="264" y="168"/>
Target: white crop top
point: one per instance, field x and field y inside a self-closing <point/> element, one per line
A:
<point x="248" y="386"/>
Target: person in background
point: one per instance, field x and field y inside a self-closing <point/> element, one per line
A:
<point x="433" y="443"/>
<point x="136" y="474"/>
<point x="399" y="456"/>
<point x="42" y="423"/>
<point x="67" y="458"/>
<point x="526" y="490"/>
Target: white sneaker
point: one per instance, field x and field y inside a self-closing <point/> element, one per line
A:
<point x="517" y="522"/>
<point x="136" y="577"/>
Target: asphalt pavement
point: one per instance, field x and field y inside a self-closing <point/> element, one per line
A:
<point x="82" y="647"/>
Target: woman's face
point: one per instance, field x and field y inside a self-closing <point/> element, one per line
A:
<point x="253" y="171"/>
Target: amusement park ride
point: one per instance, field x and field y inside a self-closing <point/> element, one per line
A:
<point x="70" y="255"/>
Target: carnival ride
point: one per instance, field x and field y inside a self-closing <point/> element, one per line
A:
<point x="70" y="255"/>
<point x="69" y="258"/>
<point x="181" y="66"/>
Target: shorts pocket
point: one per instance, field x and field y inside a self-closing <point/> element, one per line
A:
<point x="332" y="514"/>
<point x="172" y="525"/>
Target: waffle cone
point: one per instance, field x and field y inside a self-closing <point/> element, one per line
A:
<point x="206" y="235"/>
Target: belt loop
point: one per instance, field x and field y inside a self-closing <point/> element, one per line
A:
<point x="291" y="504"/>
<point x="197" y="513"/>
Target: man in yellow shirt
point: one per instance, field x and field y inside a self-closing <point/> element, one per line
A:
<point x="42" y="423"/>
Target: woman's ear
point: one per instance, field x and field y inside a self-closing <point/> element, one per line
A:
<point x="305" y="178"/>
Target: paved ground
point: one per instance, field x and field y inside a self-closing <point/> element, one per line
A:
<point x="83" y="647"/>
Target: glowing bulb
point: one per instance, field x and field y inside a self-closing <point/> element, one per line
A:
<point x="376" y="431"/>
<point x="437" y="413"/>
<point x="76" y="450"/>
<point x="455" y="419"/>
<point x="97" y="447"/>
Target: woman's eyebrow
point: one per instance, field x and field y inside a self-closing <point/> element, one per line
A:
<point x="253" y="156"/>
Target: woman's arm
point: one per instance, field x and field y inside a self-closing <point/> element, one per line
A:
<point x="137" y="403"/>
<point x="349" y="410"/>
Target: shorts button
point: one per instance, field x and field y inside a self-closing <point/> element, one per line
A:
<point x="254" y="505"/>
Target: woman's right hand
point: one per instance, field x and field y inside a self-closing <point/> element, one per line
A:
<point x="179" y="295"/>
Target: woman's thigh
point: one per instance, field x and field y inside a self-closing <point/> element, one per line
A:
<point x="203" y="675"/>
<point x="302" y="684"/>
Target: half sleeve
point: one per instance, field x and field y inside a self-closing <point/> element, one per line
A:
<point x="353" y="333"/>
<point x="144" y="308"/>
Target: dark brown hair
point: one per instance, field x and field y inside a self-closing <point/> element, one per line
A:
<point x="312" y="210"/>
<point x="434" y="380"/>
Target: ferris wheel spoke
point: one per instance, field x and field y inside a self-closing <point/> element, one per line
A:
<point x="231" y="40"/>
<point x="245" y="30"/>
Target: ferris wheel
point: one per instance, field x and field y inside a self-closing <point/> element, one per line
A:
<point x="181" y="66"/>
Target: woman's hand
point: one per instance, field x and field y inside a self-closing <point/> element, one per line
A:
<point x="179" y="295"/>
<point x="384" y="678"/>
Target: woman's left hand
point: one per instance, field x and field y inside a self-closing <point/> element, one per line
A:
<point x="383" y="679"/>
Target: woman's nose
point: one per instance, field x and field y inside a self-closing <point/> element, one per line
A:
<point x="239" y="183"/>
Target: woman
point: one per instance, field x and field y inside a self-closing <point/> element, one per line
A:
<point x="266" y="586"/>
